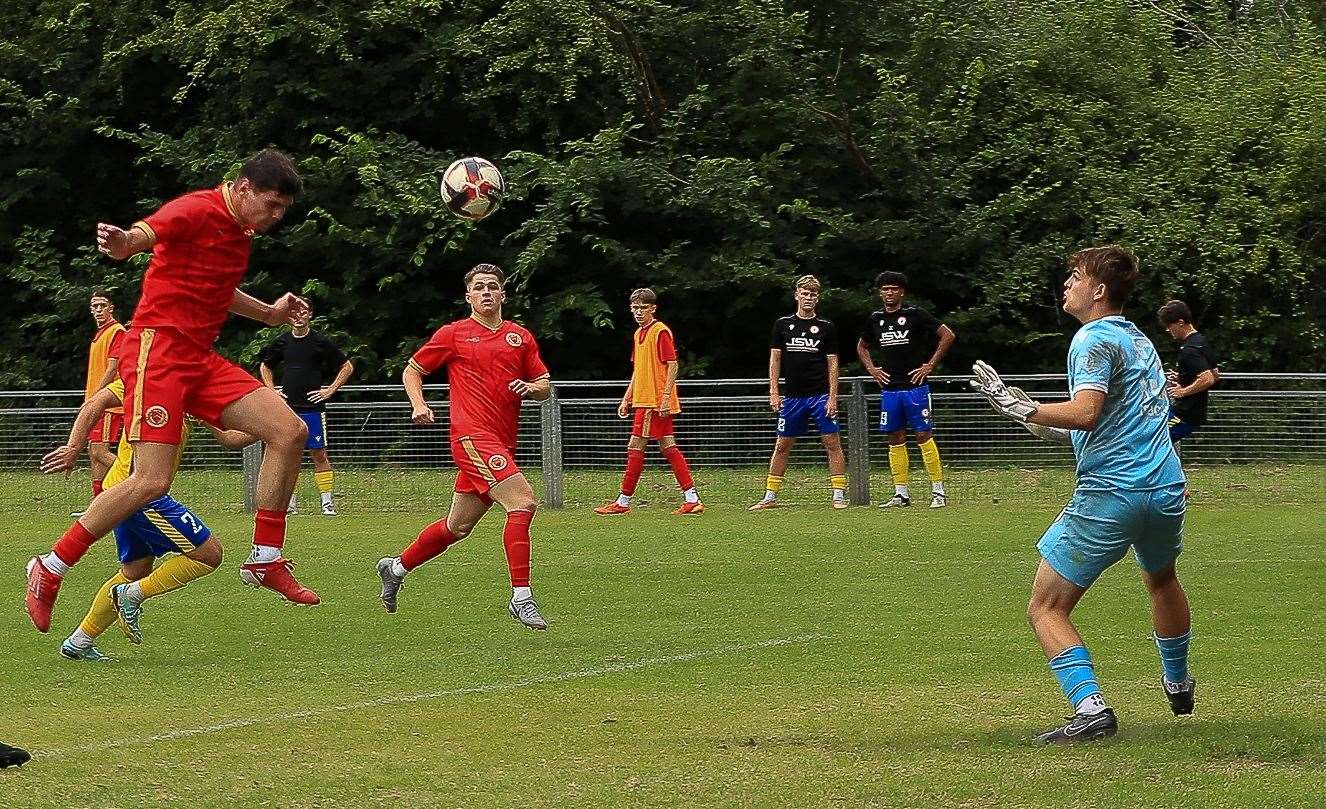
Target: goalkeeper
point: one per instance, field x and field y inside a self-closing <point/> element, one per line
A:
<point x="1129" y="489"/>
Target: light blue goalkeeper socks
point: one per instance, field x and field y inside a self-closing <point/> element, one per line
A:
<point x="1077" y="677"/>
<point x="1174" y="657"/>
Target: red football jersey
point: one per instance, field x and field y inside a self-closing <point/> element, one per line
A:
<point x="481" y="363"/>
<point x="200" y="253"/>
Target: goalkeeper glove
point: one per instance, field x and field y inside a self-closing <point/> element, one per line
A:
<point x="1052" y="434"/>
<point x="988" y="383"/>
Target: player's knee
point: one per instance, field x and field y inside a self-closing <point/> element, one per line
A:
<point x="524" y="504"/>
<point x="209" y="553"/>
<point x="667" y="442"/>
<point x="1161" y="580"/>
<point x="148" y="486"/>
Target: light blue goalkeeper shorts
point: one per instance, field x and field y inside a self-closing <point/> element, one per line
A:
<point x="1096" y="528"/>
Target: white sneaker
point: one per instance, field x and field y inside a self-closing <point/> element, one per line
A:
<point x="839" y="502"/>
<point x="896" y="501"/>
<point x="938" y="500"/>
<point x="328" y="510"/>
<point x="527" y="612"/>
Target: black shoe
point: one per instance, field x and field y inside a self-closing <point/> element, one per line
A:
<point x="1180" y="701"/>
<point x="12" y="756"/>
<point x="1084" y="727"/>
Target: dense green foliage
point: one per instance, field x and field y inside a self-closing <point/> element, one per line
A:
<point x="712" y="149"/>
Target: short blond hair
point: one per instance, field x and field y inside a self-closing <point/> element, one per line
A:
<point x="808" y="282"/>
<point x="644" y="295"/>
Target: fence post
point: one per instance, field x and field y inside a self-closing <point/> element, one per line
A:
<point x="252" y="455"/>
<point x="551" y="423"/>
<point x="858" y="447"/>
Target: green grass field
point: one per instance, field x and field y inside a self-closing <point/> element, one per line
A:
<point x="788" y="658"/>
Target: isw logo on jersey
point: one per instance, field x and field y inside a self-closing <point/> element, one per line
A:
<point x="803" y="344"/>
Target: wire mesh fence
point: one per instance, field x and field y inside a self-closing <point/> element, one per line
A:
<point x="728" y="423"/>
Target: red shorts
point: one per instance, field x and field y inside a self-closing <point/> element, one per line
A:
<point x="107" y="429"/>
<point x="649" y="424"/>
<point x="482" y="462"/>
<point x="166" y="376"/>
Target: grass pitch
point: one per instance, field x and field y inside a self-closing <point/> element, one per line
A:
<point x="794" y="657"/>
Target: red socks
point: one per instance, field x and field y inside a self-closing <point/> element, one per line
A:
<point x="635" y="464"/>
<point x="75" y="542"/>
<point x="431" y="541"/>
<point x="269" y="528"/>
<point x="679" y="468"/>
<point x="516" y="539"/>
<point x="96" y="488"/>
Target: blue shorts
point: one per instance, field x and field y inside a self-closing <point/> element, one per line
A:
<point x="165" y="526"/>
<point x="1178" y="428"/>
<point x="1096" y="528"/>
<point x="796" y="411"/>
<point x="317" y="428"/>
<point x="900" y="409"/>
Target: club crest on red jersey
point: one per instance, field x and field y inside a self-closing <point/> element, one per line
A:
<point x="514" y="340"/>
<point x="497" y="462"/>
<point x="156" y="416"/>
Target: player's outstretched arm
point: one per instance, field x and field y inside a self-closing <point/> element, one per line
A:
<point x="62" y="459"/>
<point x="1052" y="434"/>
<point x="119" y="244"/>
<point x="232" y="439"/>
<point x="280" y="313"/>
<point x="1079" y="413"/>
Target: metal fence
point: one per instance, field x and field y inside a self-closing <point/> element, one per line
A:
<point x="728" y="423"/>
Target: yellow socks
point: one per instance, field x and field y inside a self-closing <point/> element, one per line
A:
<point x="773" y="483"/>
<point x="898" y="463"/>
<point x="839" y="485"/>
<point x="171" y="574"/>
<point x="930" y="454"/>
<point x="324" y="481"/>
<point x="101" y="613"/>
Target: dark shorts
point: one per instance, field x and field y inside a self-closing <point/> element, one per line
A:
<point x="901" y="409"/>
<point x="796" y="412"/>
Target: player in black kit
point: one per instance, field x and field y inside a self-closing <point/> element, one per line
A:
<point x="308" y="358"/>
<point x="911" y="343"/>
<point x="1196" y="373"/>
<point x="803" y="349"/>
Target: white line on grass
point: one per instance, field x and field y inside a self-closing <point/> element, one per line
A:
<point x="402" y="699"/>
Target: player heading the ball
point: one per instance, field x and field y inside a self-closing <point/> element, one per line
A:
<point x="200" y="245"/>
<point x="492" y="366"/>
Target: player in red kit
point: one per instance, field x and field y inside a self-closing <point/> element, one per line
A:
<point x="200" y="246"/>
<point x="492" y="365"/>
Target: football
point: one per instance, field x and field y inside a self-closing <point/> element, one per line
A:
<point x="472" y="188"/>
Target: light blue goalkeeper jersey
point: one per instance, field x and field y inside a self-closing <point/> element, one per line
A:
<point x="1130" y="447"/>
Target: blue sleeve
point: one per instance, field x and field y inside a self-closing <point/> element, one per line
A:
<point x="1091" y="365"/>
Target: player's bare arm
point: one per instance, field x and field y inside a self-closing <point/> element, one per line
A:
<point x="281" y="313"/>
<point x="1079" y="413"/>
<point x="669" y="388"/>
<point x="342" y="375"/>
<point x="420" y="412"/>
<point x="265" y="374"/>
<point x="112" y="371"/>
<point x="63" y="458"/>
<point x="863" y="354"/>
<point x="232" y="439"/>
<point x="946" y="339"/>
<point x="624" y="409"/>
<point x="1204" y="382"/>
<point x="775" y="371"/>
<point x="119" y="244"/>
<point x="831" y="407"/>
<point x="537" y="389"/>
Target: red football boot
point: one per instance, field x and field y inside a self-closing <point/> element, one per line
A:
<point x="690" y="508"/>
<point x="276" y="576"/>
<point x="612" y="508"/>
<point x="43" y="587"/>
